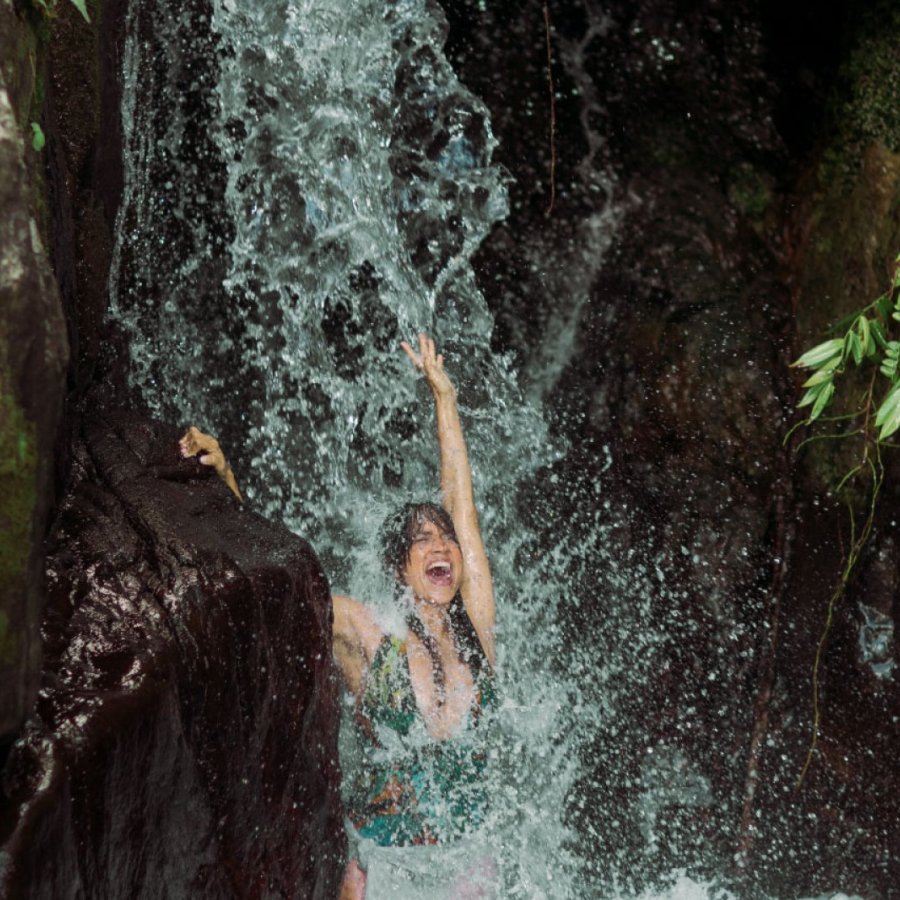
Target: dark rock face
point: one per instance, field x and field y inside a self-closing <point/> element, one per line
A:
<point x="82" y="161"/>
<point x="33" y="359"/>
<point x="749" y="153"/>
<point x="185" y="737"/>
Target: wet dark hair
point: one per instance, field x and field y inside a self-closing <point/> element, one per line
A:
<point x="400" y="529"/>
<point x="396" y="537"/>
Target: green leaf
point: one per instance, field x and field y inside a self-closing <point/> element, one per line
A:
<point x="818" y="377"/>
<point x="880" y="336"/>
<point x="82" y="8"/>
<point x="865" y="336"/>
<point x="822" y="401"/>
<point x="37" y="137"/>
<point x="884" y="306"/>
<point x="890" y="425"/>
<point x="820" y="354"/>
<point x="889" y="369"/>
<point x="831" y="366"/>
<point x="889" y="406"/>
<point x="855" y="346"/>
<point x="812" y="394"/>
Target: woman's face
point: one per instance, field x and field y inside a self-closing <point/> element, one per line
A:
<point x="434" y="567"/>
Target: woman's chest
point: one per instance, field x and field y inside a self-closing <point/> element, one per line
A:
<point x="405" y="692"/>
<point x="443" y="687"/>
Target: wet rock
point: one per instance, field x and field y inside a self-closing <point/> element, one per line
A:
<point x="743" y="160"/>
<point x="81" y="115"/>
<point x="33" y="359"/>
<point x="844" y="233"/>
<point x="184" y="739"/>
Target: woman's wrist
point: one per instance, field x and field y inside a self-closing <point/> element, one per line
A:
<point x="231" y="481"/>
<point x="447" y="392"/>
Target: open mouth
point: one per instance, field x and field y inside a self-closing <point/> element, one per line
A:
<point x="439" y="574"/>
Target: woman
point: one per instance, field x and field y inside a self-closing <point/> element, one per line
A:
<point x="417" y="800"/>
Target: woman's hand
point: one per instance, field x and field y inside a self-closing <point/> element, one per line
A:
<point x="431" y="364"/>
<point x="196" y="443"/>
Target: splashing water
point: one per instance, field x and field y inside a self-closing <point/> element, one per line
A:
<point x="306" y="183"/>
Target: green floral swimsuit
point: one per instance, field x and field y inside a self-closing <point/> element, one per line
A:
<point x="410" y="788"/>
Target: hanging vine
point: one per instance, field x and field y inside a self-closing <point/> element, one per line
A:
<point x="863" y="341"/>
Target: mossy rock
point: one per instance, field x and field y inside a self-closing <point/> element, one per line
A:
<point x="33" y="362"/>
<point x="866" y="107"/>
<point x="18" y="491"/>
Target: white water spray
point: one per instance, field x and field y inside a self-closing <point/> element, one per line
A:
<point x="330" y="180"/>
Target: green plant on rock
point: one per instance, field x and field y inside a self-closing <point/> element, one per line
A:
<point x="865" y="341"/>
<point x="37" y="137"/>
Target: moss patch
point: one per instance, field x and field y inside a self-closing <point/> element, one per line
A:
<point x="18" y="493"/>
<point x="750" y="191"/>
<point x="866" y="109"/>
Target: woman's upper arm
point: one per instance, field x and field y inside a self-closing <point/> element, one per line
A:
<point x="356" y="636"/>
<point x="477" y="587"/>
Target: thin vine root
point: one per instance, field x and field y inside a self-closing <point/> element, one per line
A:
<point x="857" y="543"/>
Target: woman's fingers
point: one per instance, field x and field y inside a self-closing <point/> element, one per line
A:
<point x="428" y="358"/>
<point x="426" y="346"/>
<point x="413" y="356"/>
<point x="194" y="441"/>
<point x="205" y="446"/>
<point x="188" y="442"/>
<point x="430" y="363"/>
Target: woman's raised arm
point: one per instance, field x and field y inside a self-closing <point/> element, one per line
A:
<point x="477" y="587"/>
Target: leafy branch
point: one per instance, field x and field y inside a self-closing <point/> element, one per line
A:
<point x="865" y="345"/>
<point x="864" y="342"/>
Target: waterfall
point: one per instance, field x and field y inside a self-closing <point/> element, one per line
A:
<point x="305" y="185"/>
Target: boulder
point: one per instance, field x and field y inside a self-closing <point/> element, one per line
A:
<point x="184" y="741"/>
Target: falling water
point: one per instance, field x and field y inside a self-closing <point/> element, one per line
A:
<point x="306" y="184"/>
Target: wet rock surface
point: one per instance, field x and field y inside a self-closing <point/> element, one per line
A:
<point x="731" y="152"/>
<point x="184" y="739"/>
<point x="33" y="358"/>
